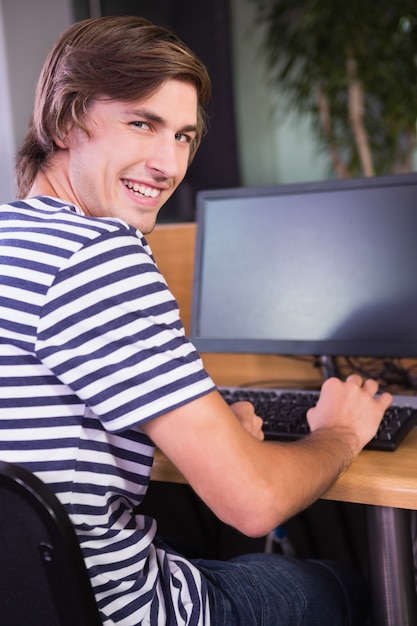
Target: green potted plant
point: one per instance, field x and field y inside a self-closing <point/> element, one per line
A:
<point x="353" y="66"/>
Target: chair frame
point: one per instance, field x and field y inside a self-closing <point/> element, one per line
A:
<point x="60" y="553"/>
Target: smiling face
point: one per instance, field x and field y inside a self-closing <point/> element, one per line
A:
<point x="134" y="159"/>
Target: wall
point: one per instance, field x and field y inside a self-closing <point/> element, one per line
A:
<point x="6" y="131"/>
<point x="28" y="29"/>
<point x="275" y="145"/>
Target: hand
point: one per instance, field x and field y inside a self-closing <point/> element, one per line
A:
<point x="350" y="406"/>
<point x="246" y="415"/>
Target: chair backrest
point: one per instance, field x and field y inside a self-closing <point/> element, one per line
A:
<point x="43" y="578"/>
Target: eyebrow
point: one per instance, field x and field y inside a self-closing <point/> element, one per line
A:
<point x="157" y="119"/>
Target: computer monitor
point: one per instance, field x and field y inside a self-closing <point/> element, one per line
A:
<point x="325" y="268"/>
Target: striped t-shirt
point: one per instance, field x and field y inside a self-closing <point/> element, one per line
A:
<point x="91" y="345"/>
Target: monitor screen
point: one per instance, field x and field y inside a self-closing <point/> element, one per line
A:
<point x="327" y="268"/>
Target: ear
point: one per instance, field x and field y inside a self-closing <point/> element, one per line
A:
<point x="71" y="136"/>
<point x="63" y="137"/>
<point x="60" y="142"/>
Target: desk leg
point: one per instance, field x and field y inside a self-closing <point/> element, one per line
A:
<point x="391" y="566"/>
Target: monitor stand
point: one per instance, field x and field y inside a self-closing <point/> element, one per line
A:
<point x="328" y="367"/>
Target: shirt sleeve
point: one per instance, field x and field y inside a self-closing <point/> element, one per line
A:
<point x="110" y="330"/>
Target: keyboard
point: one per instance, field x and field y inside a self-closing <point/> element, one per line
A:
<point x="284" y="414"/>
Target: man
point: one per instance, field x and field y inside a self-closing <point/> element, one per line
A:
<point x="96" y="369"/>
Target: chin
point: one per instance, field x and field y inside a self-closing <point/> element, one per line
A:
<point x="145" y="223"/>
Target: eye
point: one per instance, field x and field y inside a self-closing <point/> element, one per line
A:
<point x="138" y="124"/>
<point x="183" y="138"/>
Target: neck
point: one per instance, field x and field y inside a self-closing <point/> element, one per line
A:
<point x="42" y="186"/>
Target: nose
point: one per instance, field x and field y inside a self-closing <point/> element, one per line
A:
<point x="165" y="157"/>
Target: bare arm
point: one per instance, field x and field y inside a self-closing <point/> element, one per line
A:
<point x="255" y="485"/>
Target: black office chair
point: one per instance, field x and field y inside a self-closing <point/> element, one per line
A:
<point x="43" y="579"/>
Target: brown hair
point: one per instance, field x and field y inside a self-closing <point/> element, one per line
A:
<point x="120" y="57"/>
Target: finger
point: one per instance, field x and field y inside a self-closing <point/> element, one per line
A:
<point x="385" y="400"/>
<point x="257" y="431"/>
<point x="259" y="422"/>
<point x="355" y="378"/>
<point x="242" y="406"/>
<point x="371" y="386"/>
<point x="255" y="422"/>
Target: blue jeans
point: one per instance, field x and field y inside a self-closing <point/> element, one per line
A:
<point x="275" y="590"/>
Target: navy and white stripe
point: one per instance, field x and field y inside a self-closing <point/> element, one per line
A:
<point x="91" y="345"/>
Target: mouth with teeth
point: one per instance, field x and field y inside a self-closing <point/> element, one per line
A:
<point x="142" y="190"/>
